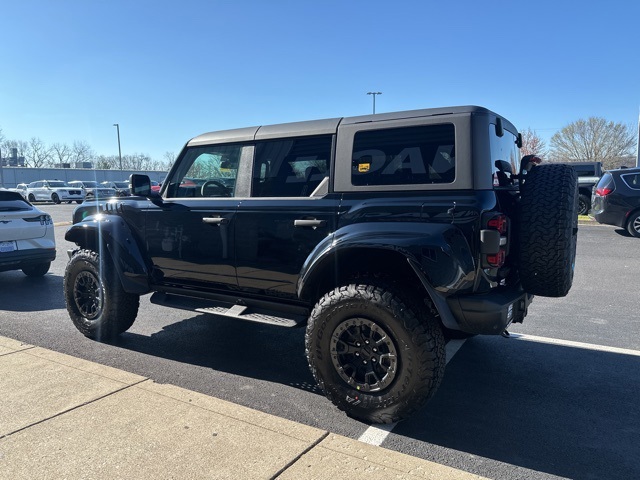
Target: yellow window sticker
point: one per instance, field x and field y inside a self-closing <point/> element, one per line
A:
<point x="364" y="167"/>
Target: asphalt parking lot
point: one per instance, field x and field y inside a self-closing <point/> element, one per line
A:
<point x="557" y="399"/>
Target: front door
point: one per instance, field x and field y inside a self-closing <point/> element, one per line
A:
<point x="190" y="232"/>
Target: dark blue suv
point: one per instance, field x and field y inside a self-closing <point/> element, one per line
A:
<point x="616" y="199"/>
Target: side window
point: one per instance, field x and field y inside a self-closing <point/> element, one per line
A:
<point x="404" y="156"/>
<point x="632" y="181"/>
<point x="207" y="171"/>
<point x="291" y="167"/>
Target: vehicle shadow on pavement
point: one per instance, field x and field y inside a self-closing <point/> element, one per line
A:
<point x="567" y="411"/>
<point x="239" y="347"/>
<point x="19" y="293"/>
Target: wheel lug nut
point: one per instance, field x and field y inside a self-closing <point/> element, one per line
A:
<point x="357" y="354"/>
<point x="364" y="361"/>
<point x="373" y="360"/>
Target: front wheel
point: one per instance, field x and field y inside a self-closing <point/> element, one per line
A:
<point x="375" y="354"/>
<point x="32" y="198"/>
<point x="97" y="304"/>
<point x="633" y="225"/>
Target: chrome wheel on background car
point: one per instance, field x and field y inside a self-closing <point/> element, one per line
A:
<point x="633" y="225"/>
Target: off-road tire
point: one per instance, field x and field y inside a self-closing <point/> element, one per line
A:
<point x="97" y="304"/>
<point x="410" y="330"/>
<point x="584" y="204"/>
<point x="36" y="270"/>
<point x="633" y="225"/>
<point x="548" y="229"/>
<point x="55" y="198"/>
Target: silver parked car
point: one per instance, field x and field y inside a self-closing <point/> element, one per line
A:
<point x="27" y="241"/>
<point x="92" y="189"/>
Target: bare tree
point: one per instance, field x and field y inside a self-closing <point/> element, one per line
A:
<point x="61" y="153"/>
<point x="107" y="162"/>
<point x="533" y="144"/>
<point x="167" y="161"/>
<point x="81" y="152"/>
<point x="37" y="154"/>
<point x="593" y="140"/>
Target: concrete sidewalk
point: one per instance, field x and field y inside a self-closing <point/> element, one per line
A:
<point x="64" y="417"/>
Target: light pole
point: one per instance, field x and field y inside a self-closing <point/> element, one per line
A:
<point x="117" y="125"/>
<point x="374" y="99"/>
<point x="1" y="172"/>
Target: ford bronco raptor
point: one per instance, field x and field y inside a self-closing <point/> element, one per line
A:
<point x="383" y="234"/>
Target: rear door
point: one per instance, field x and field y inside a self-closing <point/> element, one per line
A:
<point x="287" y="215"/>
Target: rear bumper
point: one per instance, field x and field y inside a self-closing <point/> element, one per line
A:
<point x="490" y="313"/>
<point x="16" y="260"/>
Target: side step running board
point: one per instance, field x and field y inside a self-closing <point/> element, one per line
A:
<point x="241" y="312"/>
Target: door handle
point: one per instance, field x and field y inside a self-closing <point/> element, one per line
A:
<point x="309" y="222"/>
<point x="216" y="220"/>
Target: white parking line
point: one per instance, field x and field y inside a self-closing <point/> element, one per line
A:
<point x="375" y="435"/>
<point x="569" y="343"/>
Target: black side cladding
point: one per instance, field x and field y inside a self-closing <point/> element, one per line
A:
<point x="548" y="230"/>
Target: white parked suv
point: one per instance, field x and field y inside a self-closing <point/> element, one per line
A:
<point x="55" y="191"/>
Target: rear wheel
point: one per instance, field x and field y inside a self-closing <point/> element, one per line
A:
<point x="376" y="355"/>
<point x="97" y="304"/>
<point x="36" y="270"/>
<point x="633" y="225"/>
<point x="548" y="230"/>
<point x="55" y="198"/>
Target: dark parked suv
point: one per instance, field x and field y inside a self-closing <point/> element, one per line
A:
<point x="383" y="235"/>
<point x="616" y="199"/>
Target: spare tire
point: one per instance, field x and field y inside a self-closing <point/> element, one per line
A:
<point x="548" y="229"/>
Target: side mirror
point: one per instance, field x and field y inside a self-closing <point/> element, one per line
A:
<point x="140" y="185"/>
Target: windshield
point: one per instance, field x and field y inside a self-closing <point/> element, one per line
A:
<point x="90" y="184"/>
<point x="121" y="184"/>
<point x="57" y="184"/>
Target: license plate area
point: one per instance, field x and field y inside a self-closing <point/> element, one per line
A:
<point x="8" y="247"/>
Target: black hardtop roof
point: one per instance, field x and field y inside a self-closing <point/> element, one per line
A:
<point x="326" y="126"/>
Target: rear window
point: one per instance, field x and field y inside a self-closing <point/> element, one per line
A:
<point x="605" y="182"/>
<point x="404" y="156"/>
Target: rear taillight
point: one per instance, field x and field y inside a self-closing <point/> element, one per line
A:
<point x="494" y="240"/>
<point x="604" y="191"/>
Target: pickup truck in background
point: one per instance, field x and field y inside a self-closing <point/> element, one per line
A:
<point x="588" y="175"/>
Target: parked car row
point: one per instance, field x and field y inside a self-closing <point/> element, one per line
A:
<point x="58" y="191"/>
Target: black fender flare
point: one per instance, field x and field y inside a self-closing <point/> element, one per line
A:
<point x="112" y="232"/>
<point x="438" y="253"/>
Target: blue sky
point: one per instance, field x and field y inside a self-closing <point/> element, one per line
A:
<point x="168" y="71"/>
